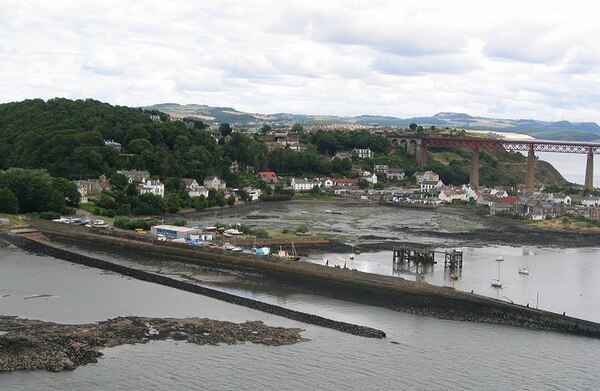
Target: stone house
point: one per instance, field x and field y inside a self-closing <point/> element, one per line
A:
<point x="213" y="182"/>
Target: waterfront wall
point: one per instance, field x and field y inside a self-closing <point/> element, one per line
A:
<point x="45" y="249"/>
<point x="390" y="292"/>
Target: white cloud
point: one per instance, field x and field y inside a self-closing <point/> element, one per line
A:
<point x="536" y="59"/>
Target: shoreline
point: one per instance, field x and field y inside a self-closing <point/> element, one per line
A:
<point x="384" y="291"/>
<point x="495" y="230"/>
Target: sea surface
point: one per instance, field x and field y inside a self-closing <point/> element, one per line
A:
<point x="420" y="353"/>
<point x="572" y="166"/>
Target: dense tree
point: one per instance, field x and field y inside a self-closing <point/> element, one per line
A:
<point x="297" y="128"/>
<point x="225" y="129"/>
<point x="37" y="191"/>
<point x="118" y="181"/>
<point x="8" y="201"/>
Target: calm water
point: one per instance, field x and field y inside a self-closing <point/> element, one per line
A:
<point x="572" y="166"/>
<point x="429" y="354"/>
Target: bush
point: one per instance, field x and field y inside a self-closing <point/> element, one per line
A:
<point x="49" y="215"/>
<point x="132" y="224"/>
<point x="180" y="222"/>
<point x="302" y="229"/>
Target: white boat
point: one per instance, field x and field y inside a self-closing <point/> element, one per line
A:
<point x="496" y="281"/>
<point x="99" y="224"/>
<point x="523" y="270"/>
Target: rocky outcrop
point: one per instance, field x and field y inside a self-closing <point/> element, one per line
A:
<point x="33" y="344"/>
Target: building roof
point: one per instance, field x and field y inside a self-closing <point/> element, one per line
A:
<point x="508" y="200"/>
<point x="267" y="175"/>
<point x="344" y="180"/>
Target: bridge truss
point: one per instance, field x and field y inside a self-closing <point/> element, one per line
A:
<point x="496" y="145"/>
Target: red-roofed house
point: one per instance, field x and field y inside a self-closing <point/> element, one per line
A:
<point x="504" y="204"/>
<point x="330" y="182"/>
<point x="267" y="176"/>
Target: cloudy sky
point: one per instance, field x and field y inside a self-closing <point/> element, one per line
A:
<point x="508" y="59"/>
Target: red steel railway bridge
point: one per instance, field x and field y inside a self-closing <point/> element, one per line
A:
<point x="418" y="146"/>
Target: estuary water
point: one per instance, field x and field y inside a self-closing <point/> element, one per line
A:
<point x="420" y="353"/>
<point x="571" y="166"/>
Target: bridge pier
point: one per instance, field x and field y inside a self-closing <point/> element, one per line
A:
<point x="589" y="171"/>
<point x="421" y="155"/>
<point x="474" y="178"/>
<point x="530" y="178"/>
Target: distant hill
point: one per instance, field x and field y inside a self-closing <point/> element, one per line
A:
<point x="560" y="130"/>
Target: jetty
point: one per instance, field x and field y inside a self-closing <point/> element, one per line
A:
<point x="386" y="291"/>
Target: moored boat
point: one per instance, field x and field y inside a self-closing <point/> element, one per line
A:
<point x="99" y="224"/>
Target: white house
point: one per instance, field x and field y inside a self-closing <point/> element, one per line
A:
<point x="449" y="195"/>
<point x="303" y="184"/>
<point x="212" y="182"/>
<point x="500" y="193"/>
<point x="194" y="189"/>
<point x="135" y="175"/>
<point x="427" y="185"/>
<point x="421" y="176"/>
<point x="254" y="194"/>
<point x="341" y="182"/>
<point x="383" y="168"/>
<point x="341" y="155"/>
<point x="395" y="173"/>
<point x="152" y="186"/>
<point x="362" y="153"/>
<point x="367" y="176"/>
<point x="562" y="199"/>
<point x="590" y="201"/>
<point x="114" y="144"/>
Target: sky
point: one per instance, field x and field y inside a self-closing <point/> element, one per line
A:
<point x="504" y="59"/>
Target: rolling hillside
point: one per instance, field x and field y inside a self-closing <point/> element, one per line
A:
<point x="561" y="130"/>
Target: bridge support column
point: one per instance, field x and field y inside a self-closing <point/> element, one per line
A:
<point x="530" y="179"/>
<point x="421" y="155"/>
<point x="589" y="171"/>
<point x="474" y="179"/>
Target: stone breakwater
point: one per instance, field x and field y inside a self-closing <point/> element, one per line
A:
<point x="33" y="344"/>
<point x="367" y="288"/>
<point x="45" y="249"/>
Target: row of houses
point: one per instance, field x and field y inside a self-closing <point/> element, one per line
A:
<point x="145" y="184"/>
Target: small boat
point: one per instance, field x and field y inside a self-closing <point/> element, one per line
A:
<point x="496" y="281"/>
<point x="303" y="212"/>
<point x="327" y="211"/>
<point x="524" y="270"/>
<point x="285" y="255"/>
<point x="99" y="224"/>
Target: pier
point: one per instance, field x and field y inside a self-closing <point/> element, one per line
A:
<point x="386" y="291"/>
<point x="413" y="258"/>
<point x="453" y="259"/>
